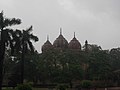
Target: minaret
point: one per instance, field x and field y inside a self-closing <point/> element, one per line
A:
<point x="86" y="42"/>
<point x="86" y="46"/>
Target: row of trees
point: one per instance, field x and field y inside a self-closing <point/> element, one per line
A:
<point x="70" y="66"/>
<point x="54" y="66"/>
<point x="17" y="41"/>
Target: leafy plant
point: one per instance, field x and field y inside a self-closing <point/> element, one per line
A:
<point x="62" y="87"/>
<point x="7" y="89"/>
<point x="23" y="87"/>
<point x="86" y="84"/>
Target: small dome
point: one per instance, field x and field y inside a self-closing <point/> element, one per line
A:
<point x="60" y="42"/>
<point x="47" y="46"/>
<point x="74" y="44"/>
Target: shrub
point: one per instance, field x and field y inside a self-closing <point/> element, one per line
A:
<point x="86" y="84"/>
<point x="23" y="87"/>
<point x="62" y="87"/>
<point x="102" y="84"/>
<point x="7" y="89"/>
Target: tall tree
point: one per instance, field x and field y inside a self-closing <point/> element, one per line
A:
<point x="23" y="44"/>
<point x="5" y="39"/>
<point x="115" y="63"/>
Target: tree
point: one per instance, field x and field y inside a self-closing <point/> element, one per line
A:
<point x="115" y="63"/>
<point x="31" y="67"/>
<point x="48" y="66"/>
<point x="23" y="44"/>
<point x="60" y="67"/>
<point x="115" y="58"/>
<point x="5" y="39"/>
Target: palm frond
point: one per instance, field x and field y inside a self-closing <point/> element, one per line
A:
<point x="10" y="22"/>
<point x="11" y="46"/>
<point x="29" y="29"/>
<point x="17" y="37"/>
<point x="1" y="20"/>
<point x="1" y="12"/>
<point x="5" y="35"/>
<point x="33" y="37"/>
<point x="31" y="46"/>
<point x="18" y="33"/>
<point x="26" y="48"/>
<point x="17" y="45"/>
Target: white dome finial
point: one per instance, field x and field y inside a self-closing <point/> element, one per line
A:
<point x="74" y="34"/>
<point x="60" y="31"/>
<point x="47" y="37"/>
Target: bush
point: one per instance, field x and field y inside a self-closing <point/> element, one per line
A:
<point x="23" y="87"/>
<point x="86" y="84"/>
<point x="102" y="84"/>
<point x="62" y="87"/>
<point x="8" y="89"/>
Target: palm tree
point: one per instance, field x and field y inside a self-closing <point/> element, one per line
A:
<point x="5" y="39"/>
<point x="23" y="44"/>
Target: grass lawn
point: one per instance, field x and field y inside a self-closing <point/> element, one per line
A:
<point x="32" y="89"/>
<point x="41" y="89"/>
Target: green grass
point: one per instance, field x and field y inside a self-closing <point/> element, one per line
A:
<point x="32" y="89"/>
<point x="40" y="89"/>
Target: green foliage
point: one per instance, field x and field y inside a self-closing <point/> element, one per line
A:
<point x="86" y="84"/>
<point x="102" y="84"/>
<point x="62" y="87"/>
<point x="23" y="87"/>
<point x="8" y="89"/>
<point x="115" y="58"/>
<point x="99" y="66"/>
<point x="60" y="67"/>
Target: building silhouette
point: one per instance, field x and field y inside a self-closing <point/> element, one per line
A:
<point x="61" y="43"/>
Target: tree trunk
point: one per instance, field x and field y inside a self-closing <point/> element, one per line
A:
<point x="2" y="53"/>
<point x="22" y="63"/>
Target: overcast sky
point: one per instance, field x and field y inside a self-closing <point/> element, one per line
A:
<point x="97" y="21"/>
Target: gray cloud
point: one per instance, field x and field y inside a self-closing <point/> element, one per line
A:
<point x="98" y="21"/>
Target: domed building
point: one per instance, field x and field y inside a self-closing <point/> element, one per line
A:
<point x="74" y="44"/>
<point x="47" y="45"/>
<point x="60" y="42"/>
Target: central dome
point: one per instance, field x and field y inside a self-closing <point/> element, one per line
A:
<point x="60" y="42"/>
